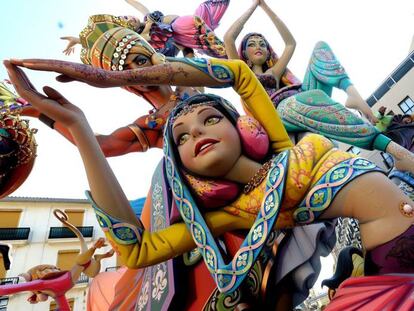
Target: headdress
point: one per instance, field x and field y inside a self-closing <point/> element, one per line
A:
<point x="108" y="39"/>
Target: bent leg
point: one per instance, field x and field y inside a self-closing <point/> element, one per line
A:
<point x="324" y="71"/>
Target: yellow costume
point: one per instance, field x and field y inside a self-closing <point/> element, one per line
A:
<point x="313" y="157"/>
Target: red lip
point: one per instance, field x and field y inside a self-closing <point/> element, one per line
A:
<point x="201" y="145"/>
<point x="258" y="53"/>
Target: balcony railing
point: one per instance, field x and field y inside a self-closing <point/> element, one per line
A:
<point x="108" y="269"/>
<point x="82" y="279"/>
<point x="64" y="232"/>
<point x="5" y="281"/>
<point x="4" y="301"/>
<point x="14" y="234"/>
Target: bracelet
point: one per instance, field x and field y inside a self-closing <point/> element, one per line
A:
<point x="46" y="120"/>
<point x="140" y="135"/>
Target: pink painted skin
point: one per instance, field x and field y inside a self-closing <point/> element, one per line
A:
<point x="55" y="288"/>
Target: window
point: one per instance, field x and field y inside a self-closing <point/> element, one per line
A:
<point x="354" y="150"/>
<point x="407" y="105"/>
<point x="67" y="258"/>
<point x="2" y="268"/>
<point x="53" y="305"/>
<point x="9" y="218"/>
<point x="75" y="216"/>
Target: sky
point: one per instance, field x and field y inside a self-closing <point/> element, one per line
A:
<point x="369" y="37"/>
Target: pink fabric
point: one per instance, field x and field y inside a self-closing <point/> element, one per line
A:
<point x="196" y="31"/>
<point x="375" y="293"/>
<point x="185" y="31"/>
<point x="212" y="11"/>
<point x="255" y="141"/>
<point x="211" y="193"/>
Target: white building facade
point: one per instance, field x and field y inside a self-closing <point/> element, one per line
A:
<point x="36" y="237"/>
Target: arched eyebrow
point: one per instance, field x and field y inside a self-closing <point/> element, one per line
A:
<point x="178" y="124"/>
<point x="198" y="112"/>
<point x="204" y="109"/>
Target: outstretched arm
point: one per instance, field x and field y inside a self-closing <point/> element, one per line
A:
<point x="139" y="6"/>
<point x="102" y="181"/>
<point x="235" y="29"/>
<point x="182" y="72"/>
<point x="279" y="68"/>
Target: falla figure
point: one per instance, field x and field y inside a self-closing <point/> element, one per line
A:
<point x="285" y="186"/>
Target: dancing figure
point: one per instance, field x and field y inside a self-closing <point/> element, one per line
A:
<point x="287" y="186"/>
<point x="169" y="34"/>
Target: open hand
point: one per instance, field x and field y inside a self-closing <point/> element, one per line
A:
<point x="53" y="104"/>
<point x="70" y="48"/>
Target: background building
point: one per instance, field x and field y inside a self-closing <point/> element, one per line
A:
<point x="36" y="237"/>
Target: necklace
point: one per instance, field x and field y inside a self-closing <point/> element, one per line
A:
<point x="258" y="177"/>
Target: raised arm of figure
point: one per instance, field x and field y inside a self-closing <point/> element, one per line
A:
<point x="72" y="41"/>
<point x="290" y="44"/>
<point x="139" y="6"/>
<point x="235" y="29"/>
<point x="102" y="181"/>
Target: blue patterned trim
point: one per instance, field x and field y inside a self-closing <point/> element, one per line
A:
<point x="406" y="177"/>
<point x="218" y="72"/>
<point x="320" y="197"/>
<point x="123" y="233"/>
<point x="228" y="277"/>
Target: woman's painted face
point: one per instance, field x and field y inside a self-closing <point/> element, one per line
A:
<point x="139" y="58"/>
<point x="207" y="142"/>
<point x="256" y="50"/>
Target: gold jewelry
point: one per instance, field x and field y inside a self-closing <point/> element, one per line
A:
<point x="190" y="108"/>
<point x="406" y="209"/>
<point x="258" y="177"/>
<point x="140" y="135"/>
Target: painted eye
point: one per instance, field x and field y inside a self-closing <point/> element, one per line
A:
<point x="262" y="45"/>
<point x="141" y="60"/>
<point x="182" y="139"/>
<point x="212" y="120"/>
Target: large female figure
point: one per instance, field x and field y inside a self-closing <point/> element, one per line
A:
<point x="300" y="185"/>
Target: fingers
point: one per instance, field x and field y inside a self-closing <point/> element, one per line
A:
<point x="64" y="79"/>
<point x="22" y="83"/>
<point x="55" y="95"/>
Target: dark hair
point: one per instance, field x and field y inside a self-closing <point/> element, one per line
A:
<point x="155" y="16"/>
<point x="215" y="101"/>
<point x="271" y="56"/>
